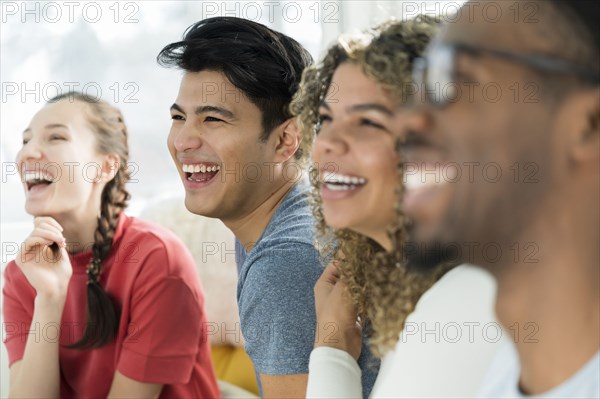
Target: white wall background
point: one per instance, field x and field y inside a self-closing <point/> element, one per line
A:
<point x="108" y="48"/>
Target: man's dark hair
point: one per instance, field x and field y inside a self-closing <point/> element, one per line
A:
<point x="264" y="64"/>
<point x="569" y="27"/>
<point x="580" y="18"/>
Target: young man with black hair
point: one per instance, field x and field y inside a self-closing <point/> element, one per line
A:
<point x="236" y="147"/>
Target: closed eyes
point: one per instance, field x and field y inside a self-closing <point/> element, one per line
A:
<point x="206" y="119"/>
<point x="51" y="138"/>
<point x="212" y="119"/>
<point x="371" y="123"/>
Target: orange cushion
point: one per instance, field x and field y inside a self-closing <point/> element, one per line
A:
<point x="233" y="365"/>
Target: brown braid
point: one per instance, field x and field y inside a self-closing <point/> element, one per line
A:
<point x="111" y="137"/>
<point x="382" y="288"/>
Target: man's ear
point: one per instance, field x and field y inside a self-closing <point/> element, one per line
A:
<point x="110" y="167"/>
<point x="289" y="138"/>
<point x="585" y="126"/>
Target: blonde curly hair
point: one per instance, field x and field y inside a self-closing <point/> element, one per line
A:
<point x="382" y="288"/>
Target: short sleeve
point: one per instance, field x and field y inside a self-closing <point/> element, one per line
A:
<point x="277" y="308"/>
<point x="17" y="311"/>
<point x="165" y="326"/>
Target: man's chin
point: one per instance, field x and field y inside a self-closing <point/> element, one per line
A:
<point x="425" y="254"/>
<point x="197" y="209"/>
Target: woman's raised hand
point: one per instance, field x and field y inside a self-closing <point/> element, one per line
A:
<point x="337" y="322"/>
<point x="43" y="258"/>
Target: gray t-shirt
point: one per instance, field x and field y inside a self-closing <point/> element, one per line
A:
<point x="502" y="380"/>
<point x="275" y="293"/>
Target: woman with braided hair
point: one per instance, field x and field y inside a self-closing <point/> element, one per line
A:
<point x="97" y="303"/>
<point x="351" y="106"/>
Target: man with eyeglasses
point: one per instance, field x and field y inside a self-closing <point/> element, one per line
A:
<point x="507" y="112"/>
<point x="532" y="147"/>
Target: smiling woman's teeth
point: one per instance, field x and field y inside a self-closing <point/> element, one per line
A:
<point x="34" y="178"/>
<point x="339" y="182"/>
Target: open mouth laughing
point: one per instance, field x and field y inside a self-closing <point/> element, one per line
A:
<point x="337" y="185"/>
<point x="200" y="173"/>
<point x="36" y="180"/>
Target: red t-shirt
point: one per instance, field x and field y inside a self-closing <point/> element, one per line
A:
<point x="162" y="335"/>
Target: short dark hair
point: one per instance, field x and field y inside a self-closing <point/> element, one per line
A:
<point x="581" y="19"/>
<point x="264" y="64"/>
<point x="569" y="29"/>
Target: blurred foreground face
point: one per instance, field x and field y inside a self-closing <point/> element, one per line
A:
<point x="354" y="150"/>
<point x="485" y="146"/>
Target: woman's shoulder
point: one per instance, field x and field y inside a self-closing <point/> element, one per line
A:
<point x="11" y="270"/>
<point x="15" y="282"/>
<point x="149" y="233"/>
<point x="151" y="243"/>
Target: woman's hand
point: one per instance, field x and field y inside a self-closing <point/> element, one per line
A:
<point x="43" y="259"/>
<point x="337" y="322"/>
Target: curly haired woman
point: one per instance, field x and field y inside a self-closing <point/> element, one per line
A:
<point x="97" y="303"/>
<point x="350" y="106"/>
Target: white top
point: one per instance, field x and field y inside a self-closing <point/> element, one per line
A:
<point x="444" y="350"/>
<point x="502" y="379"/>
<point x="333" y="373"/>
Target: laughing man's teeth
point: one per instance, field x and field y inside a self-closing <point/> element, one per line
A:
<point x="199" y="168"/>
<point x="429" y="176"/>
<point x="331" y="178"/>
